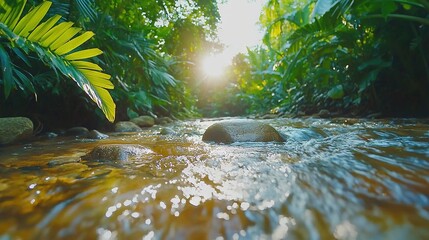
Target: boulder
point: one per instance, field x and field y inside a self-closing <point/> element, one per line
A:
<point x="167" y="131"/>
<point x="77" y="131"/>
<point x="163" y="120"/>
<point x="144" y="121"/>
<point x="241" y="131"/>
<point x="94" y="134"/>
<point x="117" y="152"/>
<point x="14" y="129"/>
<point x="126" y="126"/>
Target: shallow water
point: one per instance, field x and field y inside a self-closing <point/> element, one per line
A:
<point x="331" y="179"/>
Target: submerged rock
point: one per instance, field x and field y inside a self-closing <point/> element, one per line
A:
<point x="117" y="152"/>
<point x="126" y="126"/>
<point x="63" y="160"/>
<point x="167" y="131"/>
<point x="144" y="121"/>
<point x="14" y="129"/>
<point x="241" y="131"/>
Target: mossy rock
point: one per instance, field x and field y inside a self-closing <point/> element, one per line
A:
<point x="15" y="129"/>
<point x="127" y="126"/>
<point x="144" y="121"/>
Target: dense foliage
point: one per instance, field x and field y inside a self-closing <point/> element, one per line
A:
<point x="350" y="57"/>
<point x="54" y="44"/>
<point x="343" y="55"/>
<point x="148" y="49"/>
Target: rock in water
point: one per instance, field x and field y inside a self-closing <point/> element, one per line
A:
<point x="77" y="131"/>
<point x="241" y="131"/>
<point x="14" y="129"/>
<point x="144" y="121"/>
<point x="163" y="120"/>
<point x="117" y="152"/>
<point x="94" y="134"/>
<point x="126" y="126"/>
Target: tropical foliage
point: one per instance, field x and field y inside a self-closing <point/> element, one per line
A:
<point x="342" y="55"/>
<point x="54" y="45"/>
<point x="147" y="53"/>
<point x="163" y="40"/>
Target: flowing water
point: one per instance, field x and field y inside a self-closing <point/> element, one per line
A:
<point x="331" y="179"/>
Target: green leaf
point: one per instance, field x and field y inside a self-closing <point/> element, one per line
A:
<point x="107" y="104"/>
<point x="86" y="65"/>
<point x="7" y="76"/>
<point x="131" y="114"/>
<point x="84" y="54"/>
<point x="85" y="7"/>
<point x="11" y="14"/>
<point x="32" y="19"/>
<point x="74" y="43"/>
<point x="388" y="7"/>
<point x="64" y="38"/>
<point x="54" y="33"/>
<point x="21" y="56"/>
<point x="91" y="85"/>
<point x="30" y="35"/>
<point x="24" y="83"/>
<point x="43" y="28"/>
<point x="336" y="92"/>
<point x="323" y="6"/>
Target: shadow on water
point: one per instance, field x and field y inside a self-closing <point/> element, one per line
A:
<point x="340" y="178"/>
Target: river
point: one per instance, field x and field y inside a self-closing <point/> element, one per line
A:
<point x="331" y="179"/>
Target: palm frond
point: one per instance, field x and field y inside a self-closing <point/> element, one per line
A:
<point x="10" y="13"/>
<point x="86" y="8"/>
<point x="56" y="46"/>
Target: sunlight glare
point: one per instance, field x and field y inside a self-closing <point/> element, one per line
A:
<point x="239" y="27"/>
<point x="237" y="33"/>
<point x="214" y="66"/>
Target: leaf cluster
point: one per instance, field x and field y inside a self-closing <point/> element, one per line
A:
<point x="342" y="55"/>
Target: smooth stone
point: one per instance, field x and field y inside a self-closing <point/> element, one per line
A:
<point x="14" y="129"/>
<point x="94" y="134"/>
<point x="126" y="126"/>
<point x="166" y="131"/>
<point x="163" y="120"/>
<point x="117" y="152"/>
<point x="77" y="131"/>
<point x="144" y="121"/>
<point x="241" y="131"/>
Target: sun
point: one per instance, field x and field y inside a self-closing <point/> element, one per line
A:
<point x="214" y="65"/>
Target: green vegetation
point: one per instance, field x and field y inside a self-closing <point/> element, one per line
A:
<point x="147" y="46"/>
<point x="351" y="57"/>
<point x="54" y="45"/>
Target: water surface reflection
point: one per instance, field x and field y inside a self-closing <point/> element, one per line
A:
<point x="341" y="178"/>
